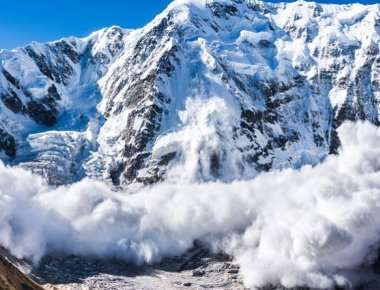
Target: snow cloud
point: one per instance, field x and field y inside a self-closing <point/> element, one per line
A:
<point x="294" y="227"/>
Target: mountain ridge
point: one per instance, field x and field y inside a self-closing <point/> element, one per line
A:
<point x="120" y="104"/>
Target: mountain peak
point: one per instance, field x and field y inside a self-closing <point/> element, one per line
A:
<point x="137" y="92"/>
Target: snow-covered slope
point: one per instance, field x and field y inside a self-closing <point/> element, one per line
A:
<point x="218" y="89"/>
<point x="49" y="94"/>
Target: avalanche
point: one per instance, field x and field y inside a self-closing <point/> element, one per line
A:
<point x="292" y="227"/>
<point x="223" y="121"/>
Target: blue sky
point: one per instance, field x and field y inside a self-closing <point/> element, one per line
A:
<point x="22" y="21"/>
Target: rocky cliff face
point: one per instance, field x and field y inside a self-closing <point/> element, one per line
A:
<point x="208" y="90"/>
<point x="13" y="279"/>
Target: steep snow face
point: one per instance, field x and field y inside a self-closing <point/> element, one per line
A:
<point x="49" y="94"/>
<point x="208" y="90"/>
<point x="226" y="89"/>
<point x="339" y="55"/>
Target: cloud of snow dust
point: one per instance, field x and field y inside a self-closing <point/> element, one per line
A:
<point x="294" y="227"/>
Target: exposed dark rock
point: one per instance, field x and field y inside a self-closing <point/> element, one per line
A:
<point x="133" y="166"/>
<point x="198" y="273"/>
<point x="146" y="45"/>
<point x="215" y="164"/>
<point x="13" y="279"/>
<point x="12" y="102"/>
<point x="165" y="159"/>
<point x="64" y="48"/>
<point x="11" y="79"/>
<point x="222" y="10"/>
<point x="7" y="143"/>
<point x="45" y="111"/>
<point x="58" y="69"/>
<point x="40" y="61"/>
<point x="142" y="90"/>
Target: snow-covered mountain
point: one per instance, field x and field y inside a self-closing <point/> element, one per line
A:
<point x="216" y="89"/>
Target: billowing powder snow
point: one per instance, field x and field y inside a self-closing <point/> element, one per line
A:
<point x="293" y="227"/>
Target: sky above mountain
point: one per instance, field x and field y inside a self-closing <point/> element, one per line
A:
<point x="23" y="21"/>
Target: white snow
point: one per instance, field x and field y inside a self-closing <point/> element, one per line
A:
<point x="294" y="227"/>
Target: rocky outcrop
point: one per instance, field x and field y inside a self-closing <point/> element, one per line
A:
<point x="7" y="143"/>
<point x="43" y="110"/>
<point x="13" y="279"/>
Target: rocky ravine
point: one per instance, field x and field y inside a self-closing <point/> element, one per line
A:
<point x="264" y="85"/>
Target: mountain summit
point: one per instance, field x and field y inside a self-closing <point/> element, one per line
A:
<point x="209" y="90"/>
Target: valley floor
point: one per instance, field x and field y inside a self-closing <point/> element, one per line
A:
<point x="198" y="269"/>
